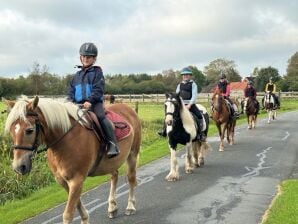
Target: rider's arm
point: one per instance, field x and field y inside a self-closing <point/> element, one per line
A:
<point x="194" y="93"/>
<point x="274" y="88"/>
<point x="266" y="88"/>
<point x="228" y="90"/>
<point x="178" y="88"/>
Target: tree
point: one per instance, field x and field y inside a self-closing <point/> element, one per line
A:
<point x="218" y="66"/>
<point x="198" y="77"/>
<point x="291" y="78"/>
<point x="263" y="77"/>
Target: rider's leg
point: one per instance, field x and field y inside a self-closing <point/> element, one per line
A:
<point x="258" y="106"/>
<point x="242" y="106"/>
<point x="234" y="108"/>
<point x="108" y="130"/>
<point x="198" y="114"/>
<point x="163" y="132"/>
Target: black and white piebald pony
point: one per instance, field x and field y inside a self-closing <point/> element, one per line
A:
<point x="270" y="105"/>
<point x="182" y="129"/>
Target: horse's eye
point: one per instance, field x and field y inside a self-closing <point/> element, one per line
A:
<point x="29" y="131"/>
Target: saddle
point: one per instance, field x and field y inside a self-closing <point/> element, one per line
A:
<point x="120" y="126"/>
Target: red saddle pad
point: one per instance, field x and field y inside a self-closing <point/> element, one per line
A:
<point x="122" y="128"/>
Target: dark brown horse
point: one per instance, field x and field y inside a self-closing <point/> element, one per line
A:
<point x="250" y="109"/>
<point x="221" y="115"/>
<point x="72" y="150"/>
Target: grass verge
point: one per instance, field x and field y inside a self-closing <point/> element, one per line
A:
<point x="284" y="208"/>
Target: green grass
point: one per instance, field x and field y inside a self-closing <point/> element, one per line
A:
<point x="152" y="148"/>
<point x="285" y="206"/>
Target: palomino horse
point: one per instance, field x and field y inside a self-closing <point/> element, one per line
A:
<point x="270" y="106"/>
<point x="73" y="151"/>
<point x="181" y="128"/>
<point x="250" y="109"/>
<point x="221" y="115"/>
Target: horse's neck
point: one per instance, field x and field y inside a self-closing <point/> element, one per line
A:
<point x="187" y="120"/>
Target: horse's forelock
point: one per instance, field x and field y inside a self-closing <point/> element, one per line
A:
<point x="17" y="112"/>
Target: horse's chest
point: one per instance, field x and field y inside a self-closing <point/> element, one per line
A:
<point x="178" y="137"/>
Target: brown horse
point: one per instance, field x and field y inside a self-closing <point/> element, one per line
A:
<point x="250" y="109"/>
<point x="221" y="115"/>
<point x="73" y="151"/>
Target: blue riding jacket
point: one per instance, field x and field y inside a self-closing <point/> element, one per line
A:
<point x="87" y="85"/>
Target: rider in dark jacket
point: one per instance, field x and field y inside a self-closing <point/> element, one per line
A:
<point x="250" y="92"/>
<point x="87" y="88"/>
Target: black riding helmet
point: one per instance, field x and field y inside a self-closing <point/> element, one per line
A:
<point x="222" y="76"/>
<point x="88" y="49"/>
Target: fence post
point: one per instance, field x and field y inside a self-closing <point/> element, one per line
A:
<point x="137" y="106"/>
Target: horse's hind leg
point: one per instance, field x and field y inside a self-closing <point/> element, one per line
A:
<point x="131" y="175"/>
<point x="112" y="209"/>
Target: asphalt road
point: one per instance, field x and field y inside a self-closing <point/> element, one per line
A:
<point x="234" y="186"/>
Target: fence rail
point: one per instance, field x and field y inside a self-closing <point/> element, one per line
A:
<point x="160" y="98"/>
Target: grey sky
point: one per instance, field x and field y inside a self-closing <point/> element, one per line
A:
<point x="150" y="36"/>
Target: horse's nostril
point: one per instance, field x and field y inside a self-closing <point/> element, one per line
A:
<point x="23" y="169"/>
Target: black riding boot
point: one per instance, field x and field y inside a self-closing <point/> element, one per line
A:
<point x="242" y="106"/>
<point x="202" y="136"/>
<point x="112" y="143"/>
<point x="163" y="132"/>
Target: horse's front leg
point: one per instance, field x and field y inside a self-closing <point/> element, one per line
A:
<point x="112" y="209"/>
<point x="189" y="167"/>
<point x="174" y="172"/>
<point x="222" y="137"/>
<point x="221" y="145"/>
<point x="269" y="116"/>
<point x="74" y="192"/>
<point x="132" y="181"/>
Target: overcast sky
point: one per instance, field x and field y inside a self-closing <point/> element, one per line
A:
<point x="147" y="36"/>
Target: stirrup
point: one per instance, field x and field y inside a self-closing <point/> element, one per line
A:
<point x="112" y="150"/>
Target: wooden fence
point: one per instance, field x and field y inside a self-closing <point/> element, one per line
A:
<point x="202" y="97"/>
<point x="160" y="98"/>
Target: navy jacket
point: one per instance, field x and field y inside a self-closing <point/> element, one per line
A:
<point x="87" y="85"/>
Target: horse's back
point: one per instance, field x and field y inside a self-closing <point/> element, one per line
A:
<point x="127" y="113"/>
<point x="202" y="108"/>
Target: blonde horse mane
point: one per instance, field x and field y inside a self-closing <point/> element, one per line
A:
<point x="56" y="114"/>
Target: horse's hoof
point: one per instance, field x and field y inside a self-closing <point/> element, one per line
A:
<point x="130" y="212"/>
<point x="221" y="150"/>
<point x="188" y="171"/>
<point x="172" y="178"/>
<point x="112" y="214"/>
<point x="202" y="162"/>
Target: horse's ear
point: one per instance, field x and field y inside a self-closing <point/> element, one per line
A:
<point x="167" y="95"/>
<point x="35" y="102"/>
<point x="9" y="103"/>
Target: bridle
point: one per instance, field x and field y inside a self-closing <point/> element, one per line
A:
<point x="174" y="114"/>
<point x="38" y="128"/>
